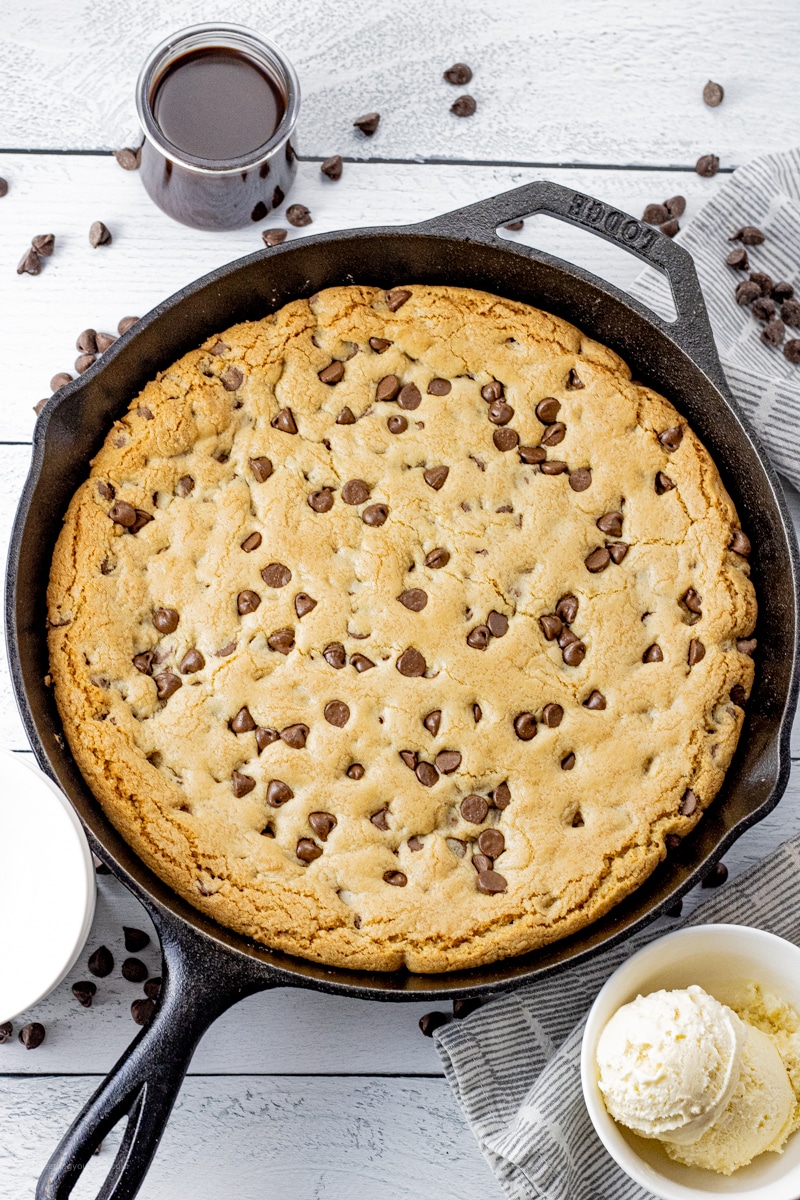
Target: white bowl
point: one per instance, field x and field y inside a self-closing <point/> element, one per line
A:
<point x="718" y="958"/>
<point x="47" y="885"/>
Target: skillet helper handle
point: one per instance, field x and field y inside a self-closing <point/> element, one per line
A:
<point x="144" y="1084"/>
<point x="691" y="331"/>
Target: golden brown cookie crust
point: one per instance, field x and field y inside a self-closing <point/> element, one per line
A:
<point x="577" y="836"/>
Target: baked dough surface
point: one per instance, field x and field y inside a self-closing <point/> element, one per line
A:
<point x="264" y="829"/>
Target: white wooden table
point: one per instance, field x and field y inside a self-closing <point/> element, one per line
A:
<point x="299" y="1094"/>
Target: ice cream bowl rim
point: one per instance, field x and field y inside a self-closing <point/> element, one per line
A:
<point x="694" y="955"/>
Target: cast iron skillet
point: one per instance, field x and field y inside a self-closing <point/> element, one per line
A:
<point x="207" y="968"/>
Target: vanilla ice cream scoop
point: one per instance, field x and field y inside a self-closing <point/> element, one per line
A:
<point x="670" y="1062"/>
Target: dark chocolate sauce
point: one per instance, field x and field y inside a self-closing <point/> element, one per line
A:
<point x="217" y="104"/>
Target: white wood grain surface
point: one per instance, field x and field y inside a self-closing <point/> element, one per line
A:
<point x="601" y="81"/>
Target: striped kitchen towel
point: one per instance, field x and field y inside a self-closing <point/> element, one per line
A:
<point x="765" y="193"/>
<point x="514" y="1064"/>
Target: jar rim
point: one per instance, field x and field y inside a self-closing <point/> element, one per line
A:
<point x="210" y="35"/>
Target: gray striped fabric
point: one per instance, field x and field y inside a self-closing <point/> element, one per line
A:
<point x="514" y="1065"/>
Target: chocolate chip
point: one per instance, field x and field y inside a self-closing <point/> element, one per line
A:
<point x="748" y="235"/>
<point x="273" y="237"/>
<point x="580" y="479"/>
<point x="144" y="662"/>
<point x="491" y="843"/>
<point x="332" y="373"/>
<point x="355" y="771"/>
<point x="192" y="661"/>
<point x="32" y="1035"/>
<point x="782" y="291"/>
<point x="321" y="501"/>
<point x="595" y="701"/>
<point x="379" y="345"/>
<point x="86" y="341"/>
<point x="525" y="726"/>
<point x="551" y="626"/>
<point x="598" y="560"/>
<point x="84" y="992"/>
<point x="692" y="601"/>
<point x="298" y="215"/>
<point x="414" y="599"/>
<point x="251" y="542"/>
<point x="498" y="624"/>
<point x="501" y="796"/>
<point x="30" y="263"/>
<point x="142" y="519"/>
<point x="396" y="298"/>
<point x="573" y="653"/>
<point x="747" y="291"/>
<point x="167" y="685"/>
<point x="261" y="468"/>
<point x="505" y="439"/>
<point x="134" y="970"/>
<point x="397" y="424"/>
<point x="307" y="850"/>
<point x="669" y="228"/>
<point x="567" y="608"/>
<point x="763" y="280"/>
<point x="295" y="736"/>
<point x="738" y="259"/>
<point x="322" y="824"/>
<point x="618" y="550"/>
<point x="688" y="803"/>
<point x="368" y="123"/>
<point x="243" y="721"/>
<point x="101" y="962"/>
<point x="337" y="713"/>
<point x="773" y="333"/>
<point x="792" y="350"/>
<point x="152" y="989"/>
<point x="713" y="94"/>
<point x="435" y="477"/>
<point x="568" y="762"/>
<point x="123" y="513"/>
<point x="184" y="486"/>
<point x="437" y="558"/>
<point x="426" y="773"/>
<point x="655" y="214"/>
<point x="241" y="784"/>
<point x="653" y="654"/>
<point x="740" y="543"/>
<point x="60" y="380"/>
<point x="332" y="167"/>
<point x="553" y="467"/>
<point x="411" y="663"/>
<point x="500" y="413"/>
<point x="334" y="655"/>
<point x="6" y="1032"/>
<point x="474" y="809"/>
<point x="459" y="74"/>
<point x="266" y="737"/>
<point x="676" y="206"/>
<point x="278" y="793"/>
<point x="463" y="106"/>
<point x="375" y="514"/>
<point x="281" y="640"/>
<point x="716" y="876"/>
<point x="610" y="523"/>
<point x="738" y="695"/>
<point x="491" y="883"/>
<point x="663" y="484"/>
<point x="284" y="421"/>
<point x="303" y="603"/>
<point x="232" y="379"/>
<point x="409" y="397"/>
<point x="388" y="388"/>
<point x="135" y="939"/>
<point x="128" y="159"/>
<point x="531" y="455"/>
<point x="672" y="841"/>
<point x="478" y="638"/>
<point x="697" y="652"/>
<point x="746" y="645"/>
<point x="142" y="1011"/>
<point x="547" y="410"/>
<point x="99" y="234"/>
<point x="707" y="165"/>
<point x="3" y="187"/>
<point x="355" y="491"/>
<point x="361" y="663"/>
<point x="477" y="713"/>
<point x="790" y="311"/>
<point x="346" y="417"/>
<point x="247" y="602"/>
<point x="552" y="715"/>
<point x="448" y="761"/>
<point x="276" y="575"/>
<point x="395" y="878"/>
<point x="83" y="362"/>
<point x="439" y="387"/>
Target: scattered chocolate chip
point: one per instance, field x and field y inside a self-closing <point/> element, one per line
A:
<point x="746" y="645"/>
<point x="525" y="726"/>
<point x="773" y="333"/>
<point x="688" y="803"/>
<point x="459" y="74"/>
<point x="553" y="467"/>
<point x="243" y="721"/>
<point x="60" y="380"/>
<point x="551" y="626"/>
<point x="266" y="737"/>
<point x="707" y="165"/>
<point x="669" y="228"/>
<point x="675" y="206"/>
<point x="247" y="602"/>
<point x="379" y="345"/>
<point x="547" y="410"/>
<point x="261" y="468"/>
<point x="84" y="992"/>
<point x="355" y="491"/>
<point x="281" y="640"/>
<point x="411" y="663"/>
<point x="192" y="661"/>
<point x="83" y="362"/>
<point x="346" y="417"/>
<point x="782" y="291"/>
<point x="167" y="685"/>
<point x="368" y="123"/>
<point x="232" y="379"/>
<point x="30" y="263"/>
<point x="276" y="575"/>
<point x="307" y="850"/>
<point x="101" y="962"/>
<point x="748" y="235"/>
<point x="32" y="1035"/>
<point x="409" y="397"/>
<point x="334" y="655"/>
<point x="653" y="654"/>
<point x="464" y="1005"/>
<point x="573" y="653"/>
<point x="716" y="876"/>
<point x="552" y="715"/>
<point x="395" y="878"/>
<point x="763" y="308"/>
<point x="142" y="519"/>
<point x="251" y="542"/>
<point x="142" y="1010"/>
<point x="397" y="424"/>
<point x="474" y="809"/>
<point x="580" y="479"/>
<point x="303" y="604"/>
<point x="596" y="701"/>
<point x="6" y="1032"/>
<point x="740" y="543"/>
<point x="322" y="824"/>
<point x="333" y="373"/>
<point x="430" y="1022"/>
<point x="426" y="773"/>
<point x="355" y="771"/>
<point x="414" y="599"/>
<point x="792" y="350"/>
<point x="498" y="624"/>
<point x="134" y="970"/>
<point x="790" y="312"/>
<point x="448" y="761"/>
<point x="618" y="550"/>
<point x="278" y="793"/>
<point x="747" y="291"/>
<point x="671" y="439"/>
<point x="437" y="558"/>
<point x="598" y="560"/>
<point x="738" y="259"/>
<point x="284" y="421"/>
<point x="697" y="652"/>
<point x="478" y="638"/>
<point x="99" y="234"/>
<point x="713" y="94"/>
<point x="501" y="796"/>
<point x="125" y="324"/>
<point x="242" y="784"/>
<point x="396" y="298"/>
<point x="273" y="237"/>
<point x="568" y="762"/>
<point x="491" y="843"/>
<point x="567" y="608"/>
<point x="144" y="662"/>
<point x="337" y="713"/>
<point x="332" y="167"/>
<point x="152" y="989"/>
<point x="763" y="280"/>
<point x="87" y="341"/>
<point x="3" y="187"/>
<point x="663" y="484"/>
<point x="166" y="620"/>
<point x="501" y="413"/>
<point x="435" y="477"/>
<point x="295" y="735"/>
<point x="738" y="695"/>
<point x="505" y="439"/>
<point x="656" y="214"/>
<point x="298" y="215"/>
<point x="128" y="159"/>
<point x="477" y="713"/>
<point x="321" y="501"/>
<point x="491" y="883"/>
<point x="463" y="106"/>
<point x="361" y="663"/>
<point x="375" y="515"/>
<point x="439" y="387"/>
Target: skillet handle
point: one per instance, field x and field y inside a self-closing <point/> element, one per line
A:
<point x="691" y="331"/>
<point x="199" y="983"/>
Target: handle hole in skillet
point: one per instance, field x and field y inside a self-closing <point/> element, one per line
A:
<point x="99" y="1166"/>
<point x="595" y="254"/>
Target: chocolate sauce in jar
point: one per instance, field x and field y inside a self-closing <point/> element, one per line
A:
<point x="218" y="106"/>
